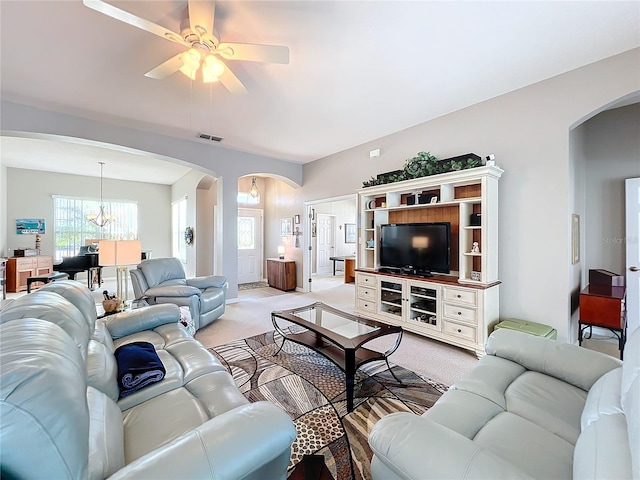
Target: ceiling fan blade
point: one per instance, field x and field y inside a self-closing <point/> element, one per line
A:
<point x="167" y="68"/>
<point x="126" y="17"/>
<point x="201" y="15"/>
<point x="254" y="53"/>
<point x="231" y="82"/>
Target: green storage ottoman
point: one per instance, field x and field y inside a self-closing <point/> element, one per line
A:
<point x="532" y="328"/>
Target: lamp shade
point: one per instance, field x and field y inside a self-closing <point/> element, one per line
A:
<point x="119" y="252"/>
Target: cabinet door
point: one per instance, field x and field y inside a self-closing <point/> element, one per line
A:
<point x="391" y="301"/>
<point x="424" y="305"/>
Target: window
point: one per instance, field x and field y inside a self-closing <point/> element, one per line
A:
<point x="178" y="226"/>
<point x="246" y="198"/>
<point x="71" y="227"/>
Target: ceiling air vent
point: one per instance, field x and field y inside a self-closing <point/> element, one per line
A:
<point x="206" y="136"/>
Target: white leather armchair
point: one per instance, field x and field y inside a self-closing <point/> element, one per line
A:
<point x="163" y="280"/>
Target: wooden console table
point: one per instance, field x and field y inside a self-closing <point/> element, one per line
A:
<point x="281" y="274"/>
<point x="604" y="307"/>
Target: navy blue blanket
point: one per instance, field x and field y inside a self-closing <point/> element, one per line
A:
<point x="138" y="366"/>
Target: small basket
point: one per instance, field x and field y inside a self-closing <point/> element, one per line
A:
<point x="112" y="305"/>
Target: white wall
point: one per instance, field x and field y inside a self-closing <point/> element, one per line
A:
<point x="612" y="154"/>
<point x="528" y="131"/>
<point x="31" y="194"/>
<point x="4" y="251"/>
<point x="206" y="200"/>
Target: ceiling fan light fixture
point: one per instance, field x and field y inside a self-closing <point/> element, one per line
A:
<point x="212" y="68"/>
<point x="190" y="63"/>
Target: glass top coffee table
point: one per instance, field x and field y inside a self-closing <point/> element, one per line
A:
<point x="337" y="335"/>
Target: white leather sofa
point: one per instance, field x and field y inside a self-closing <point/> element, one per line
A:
<point x="531" y="408"/>
<point x="61" y="416"/>
<point x="163" y="280"/>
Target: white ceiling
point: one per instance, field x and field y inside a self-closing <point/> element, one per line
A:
<point x="359" y="70"/>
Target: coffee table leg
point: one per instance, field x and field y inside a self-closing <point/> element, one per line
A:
<point x="350" y="373"/>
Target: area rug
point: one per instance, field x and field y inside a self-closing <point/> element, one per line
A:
<point x="252" y="285"/>
<point x="311" y="389"/>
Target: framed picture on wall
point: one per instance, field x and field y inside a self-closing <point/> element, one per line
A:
<point x="286" y="227"/>
<point x="313" y="229"/>
<point x="349" y="233"/>
<point x="296" y="219"/>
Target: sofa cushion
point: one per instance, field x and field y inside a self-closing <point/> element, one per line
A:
<point x="211" y="298"/>
<point x="533" y="449"/>
<point x="159" y="270"/>
<point x="578" y="366"/>
<point x="490" y="378"/>
<point x="630" y="396"/>
<point x="54" y="308"/>
<point x="603" y="398"/>
<point x="77" y="294"/>
<point x="101" y="334"/>
<point x="548" y="402"/>
<point x="43" y="402"/>
<point x="106" y="435"/>
<point x="159" y="421"/>
<point x="602" y="451"/>
<point x="102" y="370"/>
<point x="463" y="412"/>
<point x="217" y="392"/>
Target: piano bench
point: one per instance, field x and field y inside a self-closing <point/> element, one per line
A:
<point x="46" y="278"/>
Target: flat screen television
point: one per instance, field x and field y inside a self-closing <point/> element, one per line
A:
<point x="416" y="248"/>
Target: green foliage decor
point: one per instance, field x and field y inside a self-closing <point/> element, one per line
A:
<point x="423" y="165"/>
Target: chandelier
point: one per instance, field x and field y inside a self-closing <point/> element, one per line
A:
<point x="253" y="191"/>
<point x="101" y="219"/>
<point x="193" y="61"/>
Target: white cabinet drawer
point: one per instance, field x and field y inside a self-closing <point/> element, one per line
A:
<point x="464" y="331"/>
<point x="366" y="293"/>
<point x="365" y="280"/>
<point x="366" y="305"/>
<point x="459" y="295"/>
<point x="460" y="313"/>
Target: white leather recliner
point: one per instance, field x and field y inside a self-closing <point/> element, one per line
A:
<point x="163" y="280"/>
<point x="62" y="416"/>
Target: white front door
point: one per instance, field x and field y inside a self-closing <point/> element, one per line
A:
<point x="249" y="245"/>
<point x="325" y="243"/>
<point x="632" y="193"/>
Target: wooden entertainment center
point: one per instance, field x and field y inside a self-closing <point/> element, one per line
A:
<point x="460" y="308"/>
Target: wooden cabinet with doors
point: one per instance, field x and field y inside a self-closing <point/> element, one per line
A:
<point x="21" y="268"/>
<point x="281" y="274"/>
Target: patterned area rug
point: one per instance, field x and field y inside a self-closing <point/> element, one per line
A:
<point x="251" y="286"/>
<point x="311" y="389"/>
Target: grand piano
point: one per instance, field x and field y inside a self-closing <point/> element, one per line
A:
<point x="85" y="261"/>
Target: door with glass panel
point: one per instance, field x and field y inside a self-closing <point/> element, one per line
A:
<point x="249" y="245"/>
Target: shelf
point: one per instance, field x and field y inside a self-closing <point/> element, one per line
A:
<point x="422" y="311"/>
<point x="469" y="227"/>
<point x="472" y="254"/>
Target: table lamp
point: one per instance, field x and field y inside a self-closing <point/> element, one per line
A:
<point x="281" y="252"/>
<point x="120" y="254"/>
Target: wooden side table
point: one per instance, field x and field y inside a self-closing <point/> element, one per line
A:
<point x="603" y="306"/>
<point x="281" y="274"/>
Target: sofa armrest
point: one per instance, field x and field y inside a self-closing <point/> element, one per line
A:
<point x="230" y="446"/>
<point x="570" y="363"/>
<point x="416" y="447"/>
<point x="172" y="291"/>
<point x="140" y="319"/>
<point x="207" y="281"/>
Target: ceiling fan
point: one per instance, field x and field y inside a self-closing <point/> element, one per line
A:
<point x="205" y="51"/>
